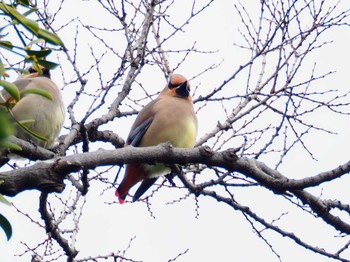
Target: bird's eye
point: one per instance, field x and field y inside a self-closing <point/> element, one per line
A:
<point x="31" y="70"/>
<point x="171" y="85"/>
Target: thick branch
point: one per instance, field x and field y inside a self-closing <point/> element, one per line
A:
<point x="47" y="175"/>
<point x="39" y="176"/>
<point x="30" y="150"/>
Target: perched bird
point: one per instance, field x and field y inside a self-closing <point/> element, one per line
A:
<point x="168" y="118"/>
<point x="45" y="116"/>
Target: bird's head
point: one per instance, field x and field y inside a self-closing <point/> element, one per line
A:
<point x="33" y="72"/>
<point x="178" y="86"/>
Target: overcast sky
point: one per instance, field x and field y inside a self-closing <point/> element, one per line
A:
<point x="218" y="233"/>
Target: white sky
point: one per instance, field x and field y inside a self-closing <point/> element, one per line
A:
<point x="219" y="234"/>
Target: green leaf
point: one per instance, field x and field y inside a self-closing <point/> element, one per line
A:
<point x="44" y="63"/>
<point x="38" y="53"/>
<point x="36" y="41"/>
<point x="6" y="126"/>
<point x="29" y="24"/>
<point x="8" y="145"/>
<point x="26" y="122"/>
<point x="37" y="67"/>
<point x="23" y="2"/>
<point x="11" y="89"/>
<point x="4" y="200"/>
<point x="47" y="64"/>
<point x="39" y="92"/>
<point x="14" y="14"/>
<point x="30" y="132"/>
<point x="6" y="226"/>
<point x="50" y="37"/>
<point x="2" y="69"/>
<point x="6" y="44"/>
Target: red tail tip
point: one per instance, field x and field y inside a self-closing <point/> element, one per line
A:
<point x="121" y="200"/>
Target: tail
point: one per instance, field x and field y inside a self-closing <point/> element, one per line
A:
<point x="145" y="185"/>
<point x="121" y="198"/>
<point x="133" y="175"/>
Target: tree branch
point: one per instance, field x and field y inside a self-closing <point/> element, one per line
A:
<point x="51" y="228"/>
<point x="47" y="176"/>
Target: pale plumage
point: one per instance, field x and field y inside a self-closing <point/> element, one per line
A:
<point x="47" y="115"/>
<point x="169" y="118"/>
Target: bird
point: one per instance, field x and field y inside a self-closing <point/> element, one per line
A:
<point x="44" y="117"/>
<point x="169" y="118"/>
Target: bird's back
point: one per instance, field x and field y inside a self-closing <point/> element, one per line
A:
<point x="46" y="116"/>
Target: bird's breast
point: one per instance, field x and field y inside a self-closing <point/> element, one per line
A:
<point x="175" y="122"/>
